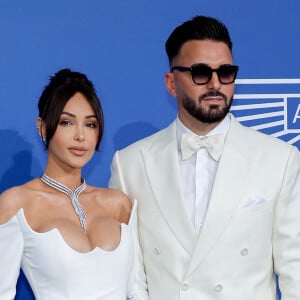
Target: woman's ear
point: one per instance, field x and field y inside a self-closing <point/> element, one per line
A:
<point x="41" y="127"/>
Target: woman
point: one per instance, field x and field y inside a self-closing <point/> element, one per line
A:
<point x="73" y="240"/>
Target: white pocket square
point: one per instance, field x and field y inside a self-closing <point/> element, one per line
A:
<point x="254" y="200"/>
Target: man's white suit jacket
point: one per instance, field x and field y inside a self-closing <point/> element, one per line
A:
<point x="252" y="226"/>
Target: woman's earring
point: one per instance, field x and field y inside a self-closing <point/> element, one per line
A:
<point x="43" y="138"/>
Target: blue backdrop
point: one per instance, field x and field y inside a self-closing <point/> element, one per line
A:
<point x="120" y="46"/>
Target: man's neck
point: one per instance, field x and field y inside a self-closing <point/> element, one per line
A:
<point x="201" y="128"/>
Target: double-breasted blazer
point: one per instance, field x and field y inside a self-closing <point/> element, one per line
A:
<point x="251" y="230"/>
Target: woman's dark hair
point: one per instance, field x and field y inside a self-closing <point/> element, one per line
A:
<point x="198" y="28"/>
<point x="62" y="86"/>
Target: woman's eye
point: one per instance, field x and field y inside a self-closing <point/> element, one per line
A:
<point x="65" y="122"/>
<point x="92" y="124"/>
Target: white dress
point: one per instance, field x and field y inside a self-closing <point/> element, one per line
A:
<point x="56" y="271"/>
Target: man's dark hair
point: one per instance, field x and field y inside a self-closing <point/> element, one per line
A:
<point x="198" y="28"/>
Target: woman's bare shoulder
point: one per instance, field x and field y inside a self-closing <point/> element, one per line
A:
<point x="116" y="201"/>
<point x="12" y="199"/>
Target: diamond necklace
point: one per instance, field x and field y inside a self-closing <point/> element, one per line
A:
<point x="73" y="196"/>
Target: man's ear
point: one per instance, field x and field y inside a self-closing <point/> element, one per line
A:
<point x="170" y="84"/>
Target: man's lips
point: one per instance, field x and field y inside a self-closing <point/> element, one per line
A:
<point x="213" y="99"/>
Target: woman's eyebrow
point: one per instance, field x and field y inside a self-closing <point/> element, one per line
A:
<point x="74" y="116"/>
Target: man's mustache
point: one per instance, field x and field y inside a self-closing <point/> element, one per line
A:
<point x="213" y="94"/>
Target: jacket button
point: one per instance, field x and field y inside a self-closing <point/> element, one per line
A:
<point x="244" y="252"/>
<point x="156" y="251"/>
<point x="184" y="286"/>
<point x="218" y="288"/>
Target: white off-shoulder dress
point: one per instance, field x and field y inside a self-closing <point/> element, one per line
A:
<point x="56" y="271"/>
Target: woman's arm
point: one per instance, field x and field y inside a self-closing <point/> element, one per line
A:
<point x="11" y="243"/>
<point x="11" y="249"/>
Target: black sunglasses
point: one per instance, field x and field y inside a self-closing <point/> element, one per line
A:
<point x="202" y="73"/>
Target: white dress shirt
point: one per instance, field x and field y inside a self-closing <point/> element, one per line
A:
<point x="198" y="174"/>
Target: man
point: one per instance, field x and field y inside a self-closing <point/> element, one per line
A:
<point x="218" y="202"/>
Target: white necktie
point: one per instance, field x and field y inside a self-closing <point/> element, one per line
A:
<point x="191" y="143"/>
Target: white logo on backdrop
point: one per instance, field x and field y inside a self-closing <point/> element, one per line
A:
<point x="269" y="105"/>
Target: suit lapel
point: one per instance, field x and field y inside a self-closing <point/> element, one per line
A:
<point x="226" y="195"/>
<point x="162" y="167"/>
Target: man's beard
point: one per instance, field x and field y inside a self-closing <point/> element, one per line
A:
<point x="210" y="115"/>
